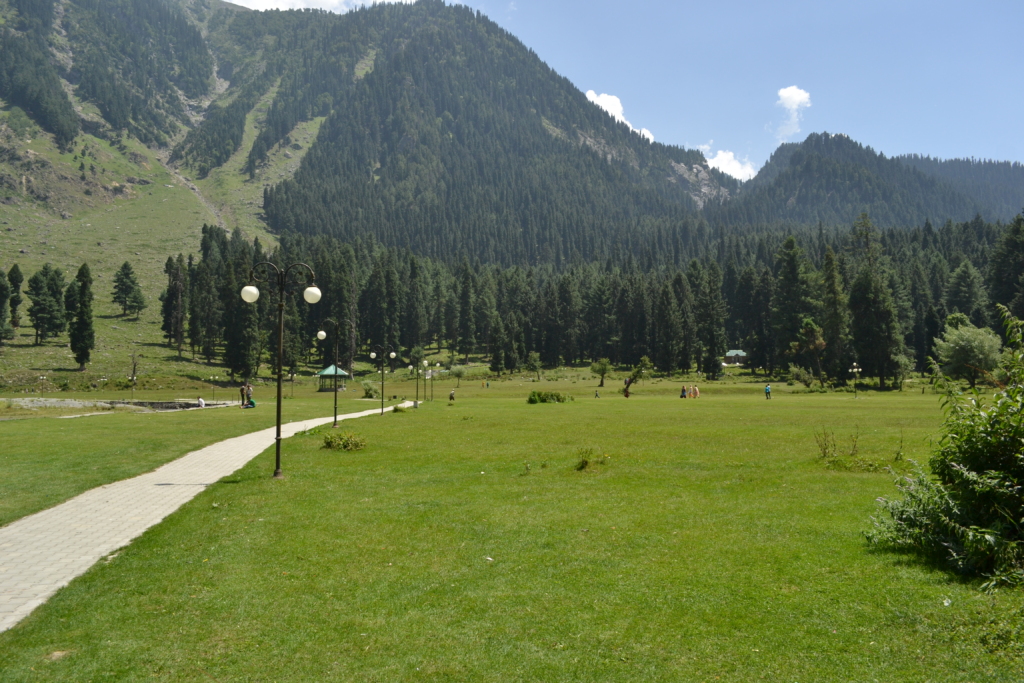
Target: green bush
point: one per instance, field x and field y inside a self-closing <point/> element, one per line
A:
<point x="344" y="442"/>
<point x="370" y="389"/>
<point x="548" y="397"/>
<point x="970" y="512"/>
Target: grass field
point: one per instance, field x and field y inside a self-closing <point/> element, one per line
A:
<point x="711" y="544"/>
<point x="46" y="465"/>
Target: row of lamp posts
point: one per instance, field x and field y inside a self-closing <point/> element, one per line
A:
<point x="299" y="275"/>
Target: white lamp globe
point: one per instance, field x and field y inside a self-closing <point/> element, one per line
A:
<point x="321" y="335"/>
<point x="250" y="294"/>
<point x="392" y="354"/>
<point x="410" y="367"/>
<point x="312" y="294"/>
<point x="425" y="363"/>
<point x="373" y="355"/>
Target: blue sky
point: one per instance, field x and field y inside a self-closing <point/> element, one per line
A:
<point x="737" y="78"/>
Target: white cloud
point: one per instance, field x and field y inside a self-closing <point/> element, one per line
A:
<point x="793" y="100"/>
<point x="336" y="6"/>
<point x="613" y="105"/>
<point x="726" y="162"/>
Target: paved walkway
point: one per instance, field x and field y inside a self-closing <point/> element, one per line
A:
<point x="42" y="553"/>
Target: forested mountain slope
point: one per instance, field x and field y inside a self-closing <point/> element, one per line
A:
<point x="441" y="132"/>
<point x="832" y="179"/>
<point x="998" y="186"/>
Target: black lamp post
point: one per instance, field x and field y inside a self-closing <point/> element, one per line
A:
<point x="321" y="335"/>
<point x="283" y="278"/>
<point x="856" y="369"/>
<point x="380" y="352"/>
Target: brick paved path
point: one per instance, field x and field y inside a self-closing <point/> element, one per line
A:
<point x="42" y="553"/>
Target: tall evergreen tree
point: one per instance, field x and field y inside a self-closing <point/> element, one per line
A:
<point x="125" y="283"/>
<point x="467" y="324"/>
<point x="668" y="330"/>
<point x="875" y="327"/>
<point x="760" y="343"/>
<point x="6" y="331"/>
<point x="794" y="300"/>
<point x="835" y="319"/>
<point x="46" y="292"/>
<point x="15" y="278"/>
<point x="965" y="293"/>
<point x="83" y="338"/>
<point x="710" y="319"/>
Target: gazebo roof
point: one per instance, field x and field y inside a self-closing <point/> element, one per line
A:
<point x="735" y="352"/>
<point x="331" y="371"/>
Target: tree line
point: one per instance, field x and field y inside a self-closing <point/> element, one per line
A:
<point x="815" y="301"/>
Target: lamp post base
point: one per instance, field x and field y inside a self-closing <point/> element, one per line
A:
<point x="278" y="474"/>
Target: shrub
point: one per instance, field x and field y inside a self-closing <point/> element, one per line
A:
<point x="344" y="442"/>
<point x="801" y="375"/>
<point x="969" y="513"/>
<point x="370" y="389"/>
<point x="548" y="397"/>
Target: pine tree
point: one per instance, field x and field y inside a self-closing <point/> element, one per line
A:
<point x="6" y="331"/>
<point x="668" y="330"/>
<point x="497" y="345"/>
<point x="965" y="293"/>
<point x="136" y="302"/>
<point x="466" y="325"/>
<point x="125" y="283"/>
<point x="15" y="278"/>
<point x="835" y="319"/>
<point x="875" y="327"/>
<point x="688" y="341"/>
<point x="761" y="344"/>
<point x="710" y="319"/>
<point x="46" y="292"/>
<point x="83" y="339"/>
<point x="794" y="299"/>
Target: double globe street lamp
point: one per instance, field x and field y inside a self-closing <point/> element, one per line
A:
<point x="416" y="369"/>
<point x="292" y="276"/>
<point x="855" y="369"/>
<point x="321" y="335"/>
<point x="379" y="352"/>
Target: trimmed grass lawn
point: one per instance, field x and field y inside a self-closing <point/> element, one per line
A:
<point x="47" y="461"/>
<point x="712" y="544"/>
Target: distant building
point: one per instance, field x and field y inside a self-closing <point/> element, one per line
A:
<point x="735" y="357"/>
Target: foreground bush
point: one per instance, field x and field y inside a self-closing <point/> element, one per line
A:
<point x="548" y="397"/>
<point x="971" y="512"/>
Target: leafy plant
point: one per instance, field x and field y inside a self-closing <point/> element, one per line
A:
<point x="344" y="442"/>
<point x="970" y="512"/>
<point x="370" y="389"/>
<point x="548" y="397"/>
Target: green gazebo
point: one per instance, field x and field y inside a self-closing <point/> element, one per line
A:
<point x="327" y="376"/>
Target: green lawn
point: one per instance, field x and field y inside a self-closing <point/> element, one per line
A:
<point x="46" y="460"/>
<point x="712" y="545"/>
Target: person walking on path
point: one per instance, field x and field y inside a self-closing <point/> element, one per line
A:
<point x="768" y="391"/>
<point x="200" y="402"/>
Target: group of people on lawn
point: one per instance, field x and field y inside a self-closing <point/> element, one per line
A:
<point x="245" y="396"/>
<point x="689" y="391"/>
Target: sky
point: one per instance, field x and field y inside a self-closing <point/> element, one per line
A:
<point x="737" y="78"/>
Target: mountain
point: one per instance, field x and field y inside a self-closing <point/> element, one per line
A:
<point x="424" y="126"/>
<point x="832" y="179"/>
<point x="998" y="186"/>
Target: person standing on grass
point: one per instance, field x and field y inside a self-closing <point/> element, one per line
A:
<point x="768" y="391"/>
<point x="248" y="393"/>
<point x="241" y="396"/>
<point x="451" y="396"/>
<point x="696" y="391"/>
<point x="682" y="392"/>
